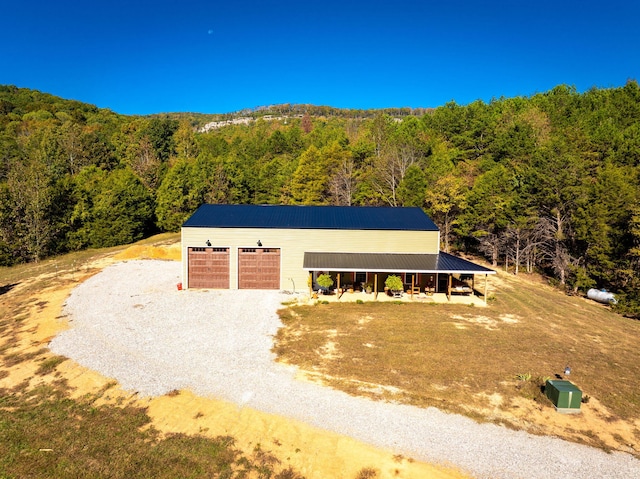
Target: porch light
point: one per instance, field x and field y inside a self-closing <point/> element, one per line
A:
<point x="259" y="243"/>
<point x="208" y="243"/>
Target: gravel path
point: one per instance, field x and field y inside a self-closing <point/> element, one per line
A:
<point x="129" y="322"/>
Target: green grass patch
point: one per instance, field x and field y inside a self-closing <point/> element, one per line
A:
<point x="20" y="357"/>
<point x="49" y="365"/>
<point x="43" y="433"/>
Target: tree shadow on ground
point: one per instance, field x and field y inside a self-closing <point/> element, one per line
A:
<point x="7" y="287"/>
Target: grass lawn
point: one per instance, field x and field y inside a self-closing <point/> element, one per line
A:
<point x="489" y="363"/>
<point x="43" y="433"/>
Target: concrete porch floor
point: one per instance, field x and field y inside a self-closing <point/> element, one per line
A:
<point x="347" y="297"/>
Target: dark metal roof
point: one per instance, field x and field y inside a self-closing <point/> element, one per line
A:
<point x="392" y="263"/>
<point x="311" y="217"/>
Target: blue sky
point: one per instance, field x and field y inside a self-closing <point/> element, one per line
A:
<point x="141" y="57"/>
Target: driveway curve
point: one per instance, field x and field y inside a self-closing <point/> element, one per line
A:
<point x="130" y="322"/>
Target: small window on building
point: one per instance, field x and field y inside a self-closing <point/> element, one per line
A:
<point x="411" y="276"/>
<point x="360" y="277"/>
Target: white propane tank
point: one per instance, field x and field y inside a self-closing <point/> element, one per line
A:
<point x="602" y="296"/>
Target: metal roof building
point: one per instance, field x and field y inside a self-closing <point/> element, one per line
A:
<point x="311" y="217"/>
<point x="279" y="247"/>
<point x="392" y="263"/>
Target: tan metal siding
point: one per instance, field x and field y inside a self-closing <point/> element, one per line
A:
<point x="294" y="242"/>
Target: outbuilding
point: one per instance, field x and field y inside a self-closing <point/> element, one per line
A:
<point x="287" y="247"/>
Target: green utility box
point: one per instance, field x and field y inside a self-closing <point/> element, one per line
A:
<point x="566" y="397"/>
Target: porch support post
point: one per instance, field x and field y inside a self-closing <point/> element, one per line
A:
<point x="413" y="283"/>
<point x="485" y="288"/>
<point x="375" y="286"/>
<point x="338" y="289"/>
<point x="310" y="281"/>
<point x="449" y="287"/>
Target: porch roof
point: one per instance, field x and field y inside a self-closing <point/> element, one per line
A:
<point x="391" y="263"/>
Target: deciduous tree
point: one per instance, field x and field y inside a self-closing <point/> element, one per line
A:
<point x="446" y="199"/>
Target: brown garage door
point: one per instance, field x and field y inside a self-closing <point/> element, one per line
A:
<point x="209" y="268"/>
<point x="259" y="268"/>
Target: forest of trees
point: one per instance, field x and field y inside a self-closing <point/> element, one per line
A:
<point x="547" y="183"/>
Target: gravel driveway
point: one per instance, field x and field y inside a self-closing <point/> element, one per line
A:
<point x="131" y="323"/>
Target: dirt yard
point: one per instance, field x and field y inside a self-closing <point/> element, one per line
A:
<point x="310" y="451"/>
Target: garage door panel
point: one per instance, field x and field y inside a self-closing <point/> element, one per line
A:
<point x="259" y="268"/>
<point x="209" y="268"/>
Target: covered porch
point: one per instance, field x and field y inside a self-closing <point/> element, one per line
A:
<point x="426" y="277"/>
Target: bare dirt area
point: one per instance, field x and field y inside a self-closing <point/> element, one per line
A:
<point x="313" y="452"/>
<point x="309" y="450"/>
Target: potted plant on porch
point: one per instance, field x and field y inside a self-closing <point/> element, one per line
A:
<point x="394" y="283"/>
<point x="325" y="281"/>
